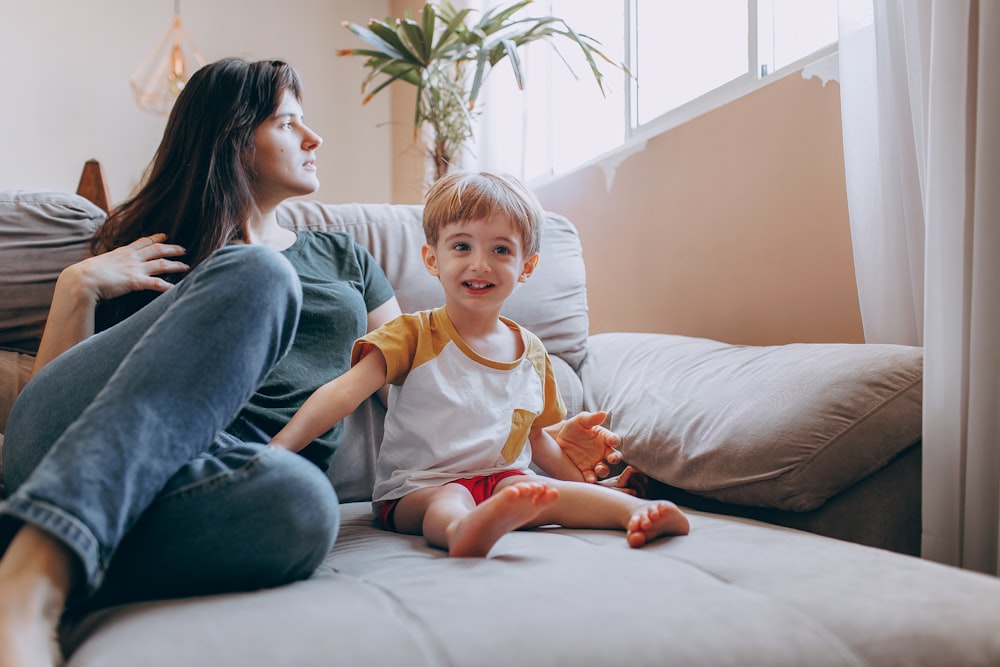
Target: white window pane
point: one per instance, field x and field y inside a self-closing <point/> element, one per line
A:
<point x="685" y="49"/>
<point x="589" y="123"/>
<point x="801" y="27"/>
<point x="560" y="120"/>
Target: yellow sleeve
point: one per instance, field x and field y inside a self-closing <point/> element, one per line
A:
<point x="554" y="411"/>
<point x="397" y="341"/>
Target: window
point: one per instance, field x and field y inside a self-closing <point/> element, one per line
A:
<point x="686" y="57"/>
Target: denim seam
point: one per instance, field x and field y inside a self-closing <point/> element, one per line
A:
<point x="223" y="477"/>
<point x="66" y="527"/>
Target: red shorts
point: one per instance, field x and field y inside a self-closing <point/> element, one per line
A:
<point x="481" y="487"/>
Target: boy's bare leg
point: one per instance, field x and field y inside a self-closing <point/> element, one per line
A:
<point x="451" y="520"/>
<point x="583" y="505"/>
<point x="36" y="575"/>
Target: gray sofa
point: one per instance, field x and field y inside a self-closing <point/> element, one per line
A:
<point x="823" y="438"/>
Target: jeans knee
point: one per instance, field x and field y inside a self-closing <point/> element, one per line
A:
<point x="264" y="272"/>
<point x="312" y="510"/>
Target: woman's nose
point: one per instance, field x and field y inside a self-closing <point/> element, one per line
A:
<point x="312" y="141"/>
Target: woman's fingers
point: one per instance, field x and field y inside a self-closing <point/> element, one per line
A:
<point x="134" y="267"/>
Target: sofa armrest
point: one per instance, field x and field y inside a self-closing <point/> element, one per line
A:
<point x="785" y="426"/>
<point x="15" y="369"/>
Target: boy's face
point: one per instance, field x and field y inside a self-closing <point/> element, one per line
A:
<point x="479" y="262"/>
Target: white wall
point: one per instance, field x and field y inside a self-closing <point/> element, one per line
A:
<point x="65" y="96"/>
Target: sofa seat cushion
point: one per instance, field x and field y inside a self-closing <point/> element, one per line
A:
<point x="733" y="592"/>
<point x="785" y="426"/>
<point x="41" y="233"/>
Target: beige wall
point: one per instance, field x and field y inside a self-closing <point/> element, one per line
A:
<point x="732" y="226"/>
<point x="66" y="96"/>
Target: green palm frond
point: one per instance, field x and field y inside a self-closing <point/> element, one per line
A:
<point x="432" y="50"/>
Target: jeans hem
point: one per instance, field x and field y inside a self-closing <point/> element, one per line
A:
<point x="68" y="529"/>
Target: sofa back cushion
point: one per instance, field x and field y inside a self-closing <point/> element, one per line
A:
<point x="552" y="304"/>
<point x="41" y="233"/>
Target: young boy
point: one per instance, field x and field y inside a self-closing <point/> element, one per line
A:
<point x="469" y="389"/>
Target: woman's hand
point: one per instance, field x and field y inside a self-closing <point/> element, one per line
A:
<point x="130" y="268"/>
<point x="588" y="444"/>
<point x="81" y="286"/>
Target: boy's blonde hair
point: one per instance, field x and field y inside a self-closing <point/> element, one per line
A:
<point x="472" y="196"/>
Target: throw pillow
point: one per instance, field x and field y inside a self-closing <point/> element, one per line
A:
<point x="785" y="426"/>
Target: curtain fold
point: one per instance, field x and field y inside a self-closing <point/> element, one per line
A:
<point x="925" y="173"/>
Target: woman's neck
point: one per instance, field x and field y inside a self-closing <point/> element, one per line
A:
<point x="263" y="229"/>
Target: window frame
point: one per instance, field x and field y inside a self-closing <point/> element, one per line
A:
<point x="636" y="135"/>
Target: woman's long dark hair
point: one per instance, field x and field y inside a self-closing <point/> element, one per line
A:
<point x="199" y="187"/>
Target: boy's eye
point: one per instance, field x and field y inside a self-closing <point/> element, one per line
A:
<point x="461" y="247"/>
<point x="502" y="250"/>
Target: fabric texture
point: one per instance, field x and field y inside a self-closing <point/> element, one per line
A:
<point x="783" y="426"/>
<point x="41" y="233"/>
<point x="453" y="413"/>
<point x="732" y="592"/>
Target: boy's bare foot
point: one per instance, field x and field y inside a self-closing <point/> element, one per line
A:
<point x="654" y="519"/>
<point x="508" y="509"/>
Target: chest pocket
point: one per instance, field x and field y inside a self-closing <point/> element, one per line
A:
<point x="520" y="426"/>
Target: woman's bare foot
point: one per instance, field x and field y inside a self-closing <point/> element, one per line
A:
<point x="27" y="637"/>
<point x="654" y="519"/>
<point x="36" y="573"/>
<point x="508" y="509"/>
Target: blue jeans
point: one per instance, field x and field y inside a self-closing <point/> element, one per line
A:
<point x="118" y="446"/>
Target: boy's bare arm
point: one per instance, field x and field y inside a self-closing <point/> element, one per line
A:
<point x="549" y="456"/>
<point x="332" y="402"/>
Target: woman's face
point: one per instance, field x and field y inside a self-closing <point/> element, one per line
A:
<point x="285" y="155"/>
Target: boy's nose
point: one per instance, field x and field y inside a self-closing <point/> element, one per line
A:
<point x="479" y="262"/>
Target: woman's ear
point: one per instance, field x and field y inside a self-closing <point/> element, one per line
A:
<point x="430" y="259"/>
<point x="529" y="266"/>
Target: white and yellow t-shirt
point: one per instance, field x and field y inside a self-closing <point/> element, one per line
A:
<point x="453" y="413"/>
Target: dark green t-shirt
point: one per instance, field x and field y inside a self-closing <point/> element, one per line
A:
<point x="341" y="284"/>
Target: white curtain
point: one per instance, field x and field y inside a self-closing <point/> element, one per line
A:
<point x="920" y="87"/>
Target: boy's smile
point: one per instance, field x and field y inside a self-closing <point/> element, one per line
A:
<point x="479" y="262"/>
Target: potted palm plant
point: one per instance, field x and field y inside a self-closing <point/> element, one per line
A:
<point x="447" y="54"/>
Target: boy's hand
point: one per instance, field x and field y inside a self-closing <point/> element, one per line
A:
<point x="589" y="445"/>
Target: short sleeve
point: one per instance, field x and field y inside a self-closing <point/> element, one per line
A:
<point x="377" y="289"/>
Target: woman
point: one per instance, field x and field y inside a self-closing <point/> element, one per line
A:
<point x="134" y="457"/>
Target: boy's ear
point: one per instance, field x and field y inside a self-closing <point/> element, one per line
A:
<point x="529" y="266"/>
<point x="430" y="259"/>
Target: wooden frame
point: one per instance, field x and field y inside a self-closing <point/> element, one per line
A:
<point x="93" y="185"/>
